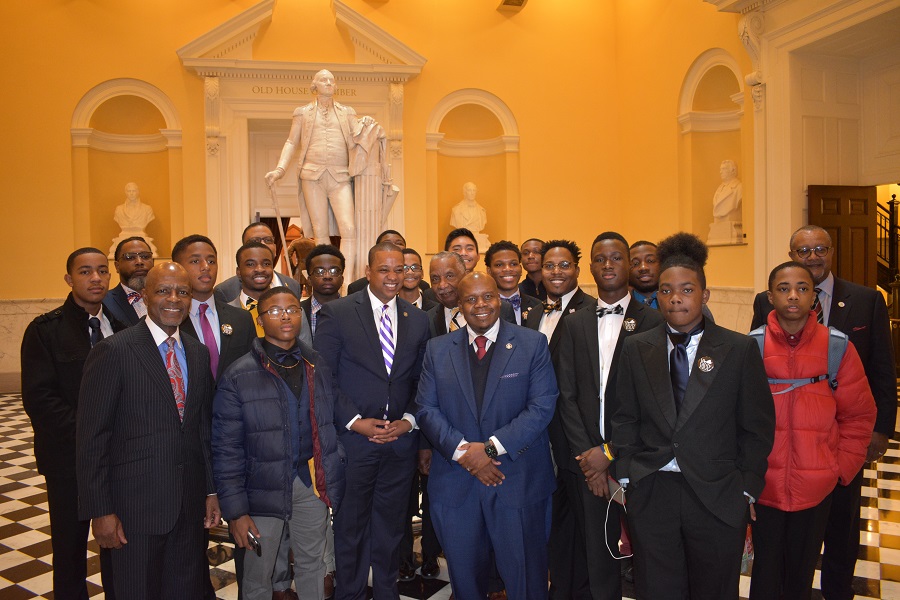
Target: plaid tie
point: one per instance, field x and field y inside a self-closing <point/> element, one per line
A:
<point x="176" y="378"/>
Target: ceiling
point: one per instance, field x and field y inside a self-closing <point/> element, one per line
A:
<point x="862" y="40"/>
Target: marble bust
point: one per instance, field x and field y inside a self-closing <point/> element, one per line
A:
<point x="133" y="216"/>
<point x="470" y="215"/>
<point x="727" y="225"/>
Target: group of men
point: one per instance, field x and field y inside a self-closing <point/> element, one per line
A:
<point x="524" y="410"/>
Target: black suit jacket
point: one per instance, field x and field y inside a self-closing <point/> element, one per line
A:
<point x="578" y="372"/>
<point x="230" y="289"/>
<point x="116" y="302"/>
<point x="54" y="348"/>
<point x="232" y="345"/>
<point x="559" y="444"/>
<point x="724" y="432"/>
<point x="437" y="324"/>
<point x="134" y="457"/>
<point x="347" y="339"/>
<point x="861" y="313"/>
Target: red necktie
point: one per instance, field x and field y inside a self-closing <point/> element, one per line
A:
<point x="176" y="378"/>
<point x="209" y="339"/>
<point x="481" y="343"/>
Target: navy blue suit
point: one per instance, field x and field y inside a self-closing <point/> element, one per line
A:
<point x="367" y="529"/>
<point x="116" y="302"/>
<point x="470" y="518"/>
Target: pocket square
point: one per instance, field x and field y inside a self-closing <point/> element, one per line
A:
<point x="509" y="376"/>
<point x="860" y="328"/>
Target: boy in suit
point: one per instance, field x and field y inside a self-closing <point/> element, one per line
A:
<point x="690" y="439"/>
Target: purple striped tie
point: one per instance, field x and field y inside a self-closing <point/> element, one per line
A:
<point x="386" y="337"/>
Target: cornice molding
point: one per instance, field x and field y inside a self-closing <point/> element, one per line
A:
<point x="706" y="122"/>
<point x="125" y="144"/>
<point x="742" y="6"/>
<point x="371" y="41"/>
<point x="233" y="38"/>
<point x="475" y="148"/>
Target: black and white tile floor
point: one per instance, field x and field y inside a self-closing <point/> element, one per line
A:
<point x="25" y="554"/>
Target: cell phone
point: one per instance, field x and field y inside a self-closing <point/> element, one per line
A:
<point x="254" y="543"/>
<point x="614" y="488"/>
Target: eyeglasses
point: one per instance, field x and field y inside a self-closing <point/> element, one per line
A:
<point x="333" y="271"/>
<point x="133" y="256"/>
<point x="563" y="266"/>
<point x="820" y="251"/>
<point x="413" y="268"/>
<point x="276" y="311"/>
<point x="262" y="240"/>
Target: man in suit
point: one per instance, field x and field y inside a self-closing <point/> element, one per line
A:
<point x="411" y="291"/>
<point x="257" y="233"/>
<point x="142" y="447"/>
<point x="588" y="358"/>
<point x="374" y="343"/>
<point x="485" y="399"/>
<point x="531" y="260"/>
<point x="691" y="438"/>
<point x="325" y="267"/>
<point x="860" y="312"/>
<point x="134" y="259"/>
<point x="568" y="570"/>
<point x="644" y="275"/>
<point x="54" y="349"/>
<point x="504" y="263"/>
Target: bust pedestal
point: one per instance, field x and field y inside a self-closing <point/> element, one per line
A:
<point x="725" y="233"/>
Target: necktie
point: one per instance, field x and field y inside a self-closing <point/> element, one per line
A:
<point x="250" y="305"/>
<point x="176" y="378"/>
<point x="612" y="310"/>
<point x="386" y="337"/>
<point x="679" y="367"/>
<point x="454" y="324"/>
<point x="314" y="312"/>
<point x="516" y="301"/>
<point x="481" y="343"/>
<point x="551" y="306"/>
<point x="133" y="297"/>
<point x="649" y="300"/>
<point x="96" y="334"/>
<point x="817" y="306"/>
<point x="209" y="339"/>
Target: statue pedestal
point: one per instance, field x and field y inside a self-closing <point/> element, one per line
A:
<point x="725" y="233"/>
<point x="483" y="242"/>
<point x="131" y="232"/>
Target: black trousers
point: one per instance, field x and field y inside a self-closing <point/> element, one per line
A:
<point x="567" y="559"/>
<point x="681" y="549"/>
<point x="431" y="547"/>
<point x="786" y="548"/>
<point x="68" y="538"/>
<point x="601" y="541"/>
<point x="842" y="540"/>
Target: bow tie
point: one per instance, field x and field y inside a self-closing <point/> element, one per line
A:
<point x="133" y="297"/>
<point x="684" y="338"/>
<point x="516" y="301"/>
<point x="551" y="306"/>
<point x="282" y="355"/>
<point x="612" y="310"/>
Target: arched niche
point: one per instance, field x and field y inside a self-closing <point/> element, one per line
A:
<point x="472" y="136"/>
<point x="126" y="130"/>
<point x="709" y="116"/>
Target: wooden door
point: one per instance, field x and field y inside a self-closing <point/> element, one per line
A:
<point x="848" y="213"/>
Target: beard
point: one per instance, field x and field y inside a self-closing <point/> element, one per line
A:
<point x="137" y="283"/>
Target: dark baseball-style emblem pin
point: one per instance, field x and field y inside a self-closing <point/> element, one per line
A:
<point x="629" y="324"/>
<point x="706" y="364"/>
<point x="227" y="329"/>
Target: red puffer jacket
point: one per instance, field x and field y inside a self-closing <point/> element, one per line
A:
<point x="820" y="436"/>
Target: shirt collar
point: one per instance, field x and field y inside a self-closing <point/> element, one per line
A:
<point x="377" y="304"/>
<point x="490" y="334"/>
<point x="827" y="285"/>
<point x="128" y="290"/>
<point x="623" y="303"/>
<point x="195" y="306"/>
<point x="564" y="301"/>
<point x="513" y="295"/>
<point x="160" y="336"/>
<point x="640" y="297"/>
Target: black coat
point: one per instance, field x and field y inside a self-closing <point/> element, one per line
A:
<point x="232" y="345"/>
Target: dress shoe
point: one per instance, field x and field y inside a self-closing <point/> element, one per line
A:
<point x="430" y="569"/>
<point x="329" y="585"/>
<point x="628" y="570"/>
<point x="407" y="572"/>
<point x="287" y="594"/>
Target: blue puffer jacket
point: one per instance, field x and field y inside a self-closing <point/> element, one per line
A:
<point x="251" y="439"/>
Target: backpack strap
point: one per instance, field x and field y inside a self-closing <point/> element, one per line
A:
<point x="837" y="345"/>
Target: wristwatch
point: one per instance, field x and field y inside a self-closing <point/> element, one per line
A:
<point x="490" y="449"/>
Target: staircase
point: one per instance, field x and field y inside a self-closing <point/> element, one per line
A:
<point x="887" y="243"/>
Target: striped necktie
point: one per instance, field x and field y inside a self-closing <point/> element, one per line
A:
<point x="454" y="324"/>
<point x="386" y="338"/>
<point x="817" y="306"/>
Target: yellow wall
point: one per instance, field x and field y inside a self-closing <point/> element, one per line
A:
<point x="593" y="85"/>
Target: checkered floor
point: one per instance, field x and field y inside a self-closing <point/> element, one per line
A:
<point x="25" y="555"/>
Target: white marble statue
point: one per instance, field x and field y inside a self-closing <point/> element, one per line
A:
<point x="327" y="202"/>
<point x="133" y="217"/>
<point x="471" y="215"/>
<point x="727" y="225"/>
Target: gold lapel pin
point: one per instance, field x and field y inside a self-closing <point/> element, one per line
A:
<point x="227" y="329"/>
<point x="629" y="324"/>
<point x="509" y="346"/>
<point x="706" y="364"/>
<point x="405" y="314"/>
<point x="841" y="304"/>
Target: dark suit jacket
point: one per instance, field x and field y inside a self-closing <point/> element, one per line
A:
<point x="518" y="403"/>
<point x="437" y="324"/>
<point x="134" y="457"/>
<point x="863" y="317"/>
<point x="347" y="339"/>
<point x="362" y="282"/>
<point x="233" y="345"/>
<point x="116" y="302"/>
<point x="529" y="303"/>
<point x="230" y="289"/>
<point x="724" y="431"/>
<point x="578" y="369"/>
<point x="54" y="348"/>
<point x="579" y="300"/>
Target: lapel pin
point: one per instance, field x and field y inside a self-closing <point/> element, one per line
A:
<point x="571" y="310"/>
<point x="227" y="329"/>
<point x="405" y="314"/>
<point x="841" y="304"/>
<point x="629" y="324"/>
<point x="509" y="346"/>
<point x="706" y="364"/>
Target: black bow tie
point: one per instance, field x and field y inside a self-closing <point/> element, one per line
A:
<point x="612" y="310"/>
<point x="282" y="355"/>
<point x="551" y="306"/>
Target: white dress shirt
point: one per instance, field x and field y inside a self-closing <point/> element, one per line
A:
<point x="138" y="305"/>
<point x="105" y="326"/>
<point x="550" y="320"/>
<point x="211" y="314"/>
<point x="608" y="329"/>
